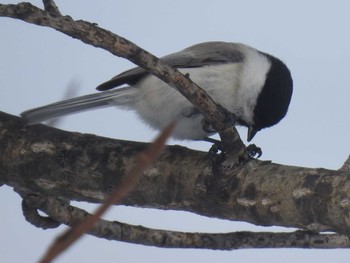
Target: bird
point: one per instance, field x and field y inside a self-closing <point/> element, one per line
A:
<point x="255" y="87"/>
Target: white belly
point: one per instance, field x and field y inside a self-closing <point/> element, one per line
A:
<point x="158" y="104"/>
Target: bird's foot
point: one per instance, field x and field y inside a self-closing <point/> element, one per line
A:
<point x="215" y="149"/>
<point x="253" y="150"/>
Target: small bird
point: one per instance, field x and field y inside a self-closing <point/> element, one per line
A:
<point x="255" y="87"/>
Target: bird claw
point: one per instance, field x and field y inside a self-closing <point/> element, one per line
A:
<point x="214" y="149"/>
<point x="254" y="150"/>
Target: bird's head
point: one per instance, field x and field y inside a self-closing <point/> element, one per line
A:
<point x="273" y="101"/>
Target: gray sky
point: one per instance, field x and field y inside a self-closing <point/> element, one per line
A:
<point x="312" y="37"/>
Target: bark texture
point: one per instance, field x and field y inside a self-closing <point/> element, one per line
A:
<point x="86" y="167"/>
<point x="69" y="215"/>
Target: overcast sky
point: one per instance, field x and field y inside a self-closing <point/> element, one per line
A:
<point x="311" y="37"/>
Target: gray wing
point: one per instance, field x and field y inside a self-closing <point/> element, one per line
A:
<point x="199" y="55"/>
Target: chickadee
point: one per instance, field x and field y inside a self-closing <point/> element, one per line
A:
<point x="254" y="86"/>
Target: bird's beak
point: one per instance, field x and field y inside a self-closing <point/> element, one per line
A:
<point x="251" y="133"/>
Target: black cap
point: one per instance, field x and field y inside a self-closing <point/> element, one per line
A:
<point x="273" y="101"/>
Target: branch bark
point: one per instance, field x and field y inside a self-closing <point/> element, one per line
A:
<point x="85" y="167"/>
<point x="70" y="216"/>
<point x="144" y="161"/>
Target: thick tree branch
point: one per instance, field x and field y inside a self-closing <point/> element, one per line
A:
<point x="93" y="35"/>
<point x="144" y="161"/>
<point x="87" y="167"/>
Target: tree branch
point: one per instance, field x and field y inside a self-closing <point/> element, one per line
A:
<point x="93" y="35"/>
<point x="86" y="167"/>
<point x="144" y="161"/>
<point x="70" y="215"/>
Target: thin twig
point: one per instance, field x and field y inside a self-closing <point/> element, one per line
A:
<point x="113" y="230"/>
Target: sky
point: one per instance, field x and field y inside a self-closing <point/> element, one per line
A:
<point x="38" y="64"/>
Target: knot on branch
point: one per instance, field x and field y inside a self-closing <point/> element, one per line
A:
<point x="30" y="205"/>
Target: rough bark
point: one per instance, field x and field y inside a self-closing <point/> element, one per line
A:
<point x="86" y="167"/>
<point x="114" y="230"/>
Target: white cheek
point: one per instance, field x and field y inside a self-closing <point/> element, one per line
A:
<point x="220" y="81"/>
<point x="253" y="79"/>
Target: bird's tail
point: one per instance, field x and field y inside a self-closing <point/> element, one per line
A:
<point x="118" y="97"/>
